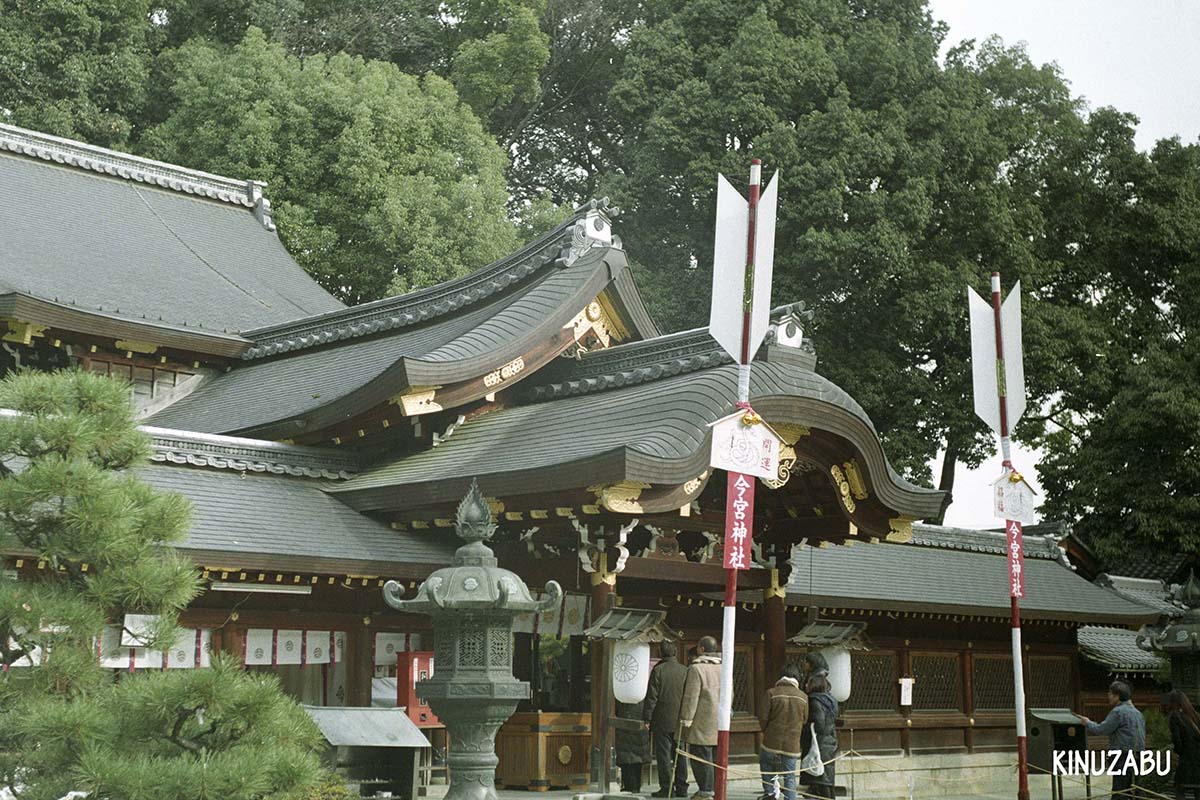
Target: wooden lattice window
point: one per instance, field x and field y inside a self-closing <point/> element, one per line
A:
<point x="743" y="681"/>
<point x="937" y="684"/>
<point x="873" y="682"/>
<point x="992" y="683"/>
<point x="1049" y="682"/>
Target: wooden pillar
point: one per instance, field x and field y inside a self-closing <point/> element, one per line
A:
<point x="360" y="667"/>
<point x="906" y="671"/>
<point x="578" y="670"/>
<point x="603" y="585"/>
<point x="968" y="684"/>
<point x="774" y="630"/>
<point x="232" y="640"/>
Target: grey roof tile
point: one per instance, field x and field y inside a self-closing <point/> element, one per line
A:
<point x="1150" y="592"/>
<point x="136" y="251"/>
<point x="362" y="372"/>
<point x="985" y="541"/>
<point x="910" y="577"/>
<point x="654" y="431"/>
<point x="249" y="514"/>
<point x="1116" y="649"/>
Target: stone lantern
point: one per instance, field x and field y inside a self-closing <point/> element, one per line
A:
<point x="473" y="692"/>
<point x="1179" y="640"/>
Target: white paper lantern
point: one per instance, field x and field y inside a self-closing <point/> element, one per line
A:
<point x="630" y="671"/>
<point x="839" y="672"/>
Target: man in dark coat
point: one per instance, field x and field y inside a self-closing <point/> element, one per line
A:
<point x="632" y="745"/>
<point x="663" y="697"/>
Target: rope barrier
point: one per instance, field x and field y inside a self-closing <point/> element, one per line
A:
<point x="752" y="773"/>
<point x="1137" y="791"/>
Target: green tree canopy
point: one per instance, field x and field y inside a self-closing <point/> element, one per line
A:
<point x="70" y="498"/>
<point x="380" y="181"/>
<point x="78" y="69"/>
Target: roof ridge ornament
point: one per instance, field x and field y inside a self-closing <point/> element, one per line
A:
<point x="593" y="229"/>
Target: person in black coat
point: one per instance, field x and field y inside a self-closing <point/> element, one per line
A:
<point x="633" y="746"/>
<point x="1185" y="741"/>
<point x="822" y="716"/>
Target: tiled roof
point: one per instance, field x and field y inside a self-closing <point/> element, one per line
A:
<point x="1147" y="591"/>
<point x="1116" y="649"/>
<point x="247" y="455"/>
<point x="558" y="247"/>
<point x="656" y="432"/>
<point x="984" y="541"/>
<point x="272" y="521"/>
<point x="904" y="577"/>
<point x="315" y="386"/>
<point x="125" y="248"/>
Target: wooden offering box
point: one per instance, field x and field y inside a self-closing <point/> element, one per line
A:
<point x="544" y="750"/>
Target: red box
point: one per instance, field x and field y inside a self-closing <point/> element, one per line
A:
<point x="412" y="667"/>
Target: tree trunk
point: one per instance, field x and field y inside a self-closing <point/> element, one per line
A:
<point x="946" y="484"/>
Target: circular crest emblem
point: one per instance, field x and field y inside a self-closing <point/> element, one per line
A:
<point x="625" y="667"/>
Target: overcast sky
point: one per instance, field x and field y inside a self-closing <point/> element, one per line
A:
<point x="1141" y="57"/>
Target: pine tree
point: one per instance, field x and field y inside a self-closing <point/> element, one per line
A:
<point x="70" y="500"/>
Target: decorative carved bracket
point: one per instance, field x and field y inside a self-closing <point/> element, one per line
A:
<point x="593" y="551"/>
<point x="664" y="544"/>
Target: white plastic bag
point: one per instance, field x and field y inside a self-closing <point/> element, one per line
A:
<point x="811" y="763"/>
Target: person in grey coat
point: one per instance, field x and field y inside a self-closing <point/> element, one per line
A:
<point x="663" y="697"/>
<point x="822" y="716"/>
<point x="1125" y="728"/>
<point x="698" y="714"/>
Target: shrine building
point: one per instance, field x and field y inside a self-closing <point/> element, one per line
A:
<point x="324" y="449"/>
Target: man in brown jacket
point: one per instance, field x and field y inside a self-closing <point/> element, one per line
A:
<point x="698" y="714"/>
<point x="785" y="715"/>
<point x="663" y="698"/>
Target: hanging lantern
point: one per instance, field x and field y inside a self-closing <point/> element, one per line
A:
<point x="630" y="670"/>
<point x="839" y="672"/>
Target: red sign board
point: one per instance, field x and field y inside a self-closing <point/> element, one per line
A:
<point x="411" y="669"/>
<point x="1016" y="559"/>
<point x="739" y="520"/>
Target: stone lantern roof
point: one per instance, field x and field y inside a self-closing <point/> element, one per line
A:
<point x="1180" y="636"/>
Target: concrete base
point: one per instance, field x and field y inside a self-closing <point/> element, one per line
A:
<point x="946" y="775"/>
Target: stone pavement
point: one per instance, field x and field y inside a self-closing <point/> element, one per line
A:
<point x="745" y="789"/>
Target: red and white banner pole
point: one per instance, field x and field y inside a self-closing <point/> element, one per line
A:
<point x="1016" y="565"/>
<point x="739" y="507"/>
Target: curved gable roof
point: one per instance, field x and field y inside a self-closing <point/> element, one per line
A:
<point x="655" y="432"/>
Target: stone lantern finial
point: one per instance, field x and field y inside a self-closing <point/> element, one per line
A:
<point x="473" y="521"/>
<point x="1189" y="594"/>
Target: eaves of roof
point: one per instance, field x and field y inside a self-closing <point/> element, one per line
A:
<point x="651" y="359"/>
<point x="656" y="432"/>
<point x="905" y="577"/>
<point x="1116" y="649"/>
<point x="315" y="387"/>
<point x="67" y="317"/>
